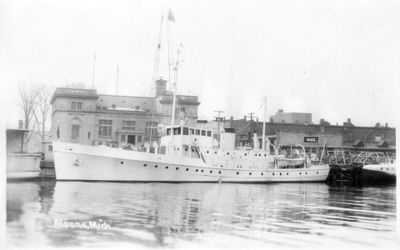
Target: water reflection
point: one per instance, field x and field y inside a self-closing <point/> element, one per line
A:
<point x="159" y="214"/>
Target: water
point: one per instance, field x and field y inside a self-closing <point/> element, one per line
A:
<point x="300" y="215"/>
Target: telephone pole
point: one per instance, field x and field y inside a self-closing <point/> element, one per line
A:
<point x="251" y="129"/>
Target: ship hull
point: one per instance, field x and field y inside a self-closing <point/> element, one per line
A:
<point x="89" y="163"/>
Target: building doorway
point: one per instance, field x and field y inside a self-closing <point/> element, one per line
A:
<point x="131" y="139"/>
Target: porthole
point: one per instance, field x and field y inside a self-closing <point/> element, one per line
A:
<point x="273" y="173"/>
<point x="155" y="166"/>
<point x="166" y="167"/>
<point x="381" y="169"/>
<point x="255" y="155"/>
<point x="280" y="173"/>
<point x="144" y="165"/>
<point x="237" y="173"/>
<point x="215" y="152"/>
<point x="202" y="170"/>
<point x="287" y="173"/>
<point x="208" y="151"/>
<point x="300" y="173"/>
<point x="187" y="169"/>
<point x="245" y="154"/>
<point x="317" y="172"/>
<point x="197" y="170"/>
<point x="219" y="172"/>
<point x="306" y="172"/>
<point x="262" y="173"/>
<point x="177" y="168"/>
<point x="122" y="162"/>
<point x="221" y="166"/>
<point x="210" y="171"/>
<point x="259" y="154"/>
<point x="250" y="173"/>
<point x="227" y="153"/>
<point x="265" y="155"/>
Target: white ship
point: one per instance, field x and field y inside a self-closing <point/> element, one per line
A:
<point x="185" y="154"/>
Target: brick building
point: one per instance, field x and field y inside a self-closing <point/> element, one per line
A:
<point x="315" y="135"/>
<point x="86" y="117"/>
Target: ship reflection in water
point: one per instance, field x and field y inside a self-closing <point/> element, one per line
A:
<point x="208" y="215"/>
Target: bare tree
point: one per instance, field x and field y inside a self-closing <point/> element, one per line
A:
<point x="28" y="94"/>
<point x="42" y="111"/>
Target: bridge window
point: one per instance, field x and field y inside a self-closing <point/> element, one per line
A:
<point x="168" y="131"/>
<point x="177" y="131"/>
<point x="203" y="133"/>
<point x="197" y="131"/>
<point x="185" y="131"/>
<point x="191" y="131"/>
<point x="209" y="133"/>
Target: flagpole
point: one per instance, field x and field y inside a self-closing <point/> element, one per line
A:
<point x="94" y="68"/>
<point x="265" y="118"/>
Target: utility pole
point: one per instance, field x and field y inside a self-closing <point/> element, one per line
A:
<point x="251" y="129"/>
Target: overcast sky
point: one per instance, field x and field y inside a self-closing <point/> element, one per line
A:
<point x="337" y="59"/>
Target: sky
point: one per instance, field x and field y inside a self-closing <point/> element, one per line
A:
<point x="336" y="59"/>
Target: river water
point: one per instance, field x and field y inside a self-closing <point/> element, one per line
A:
<point x="180" y="216"/>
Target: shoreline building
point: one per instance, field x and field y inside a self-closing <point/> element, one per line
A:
<point x="86" y="117"/>
<point x="314" y="136"/>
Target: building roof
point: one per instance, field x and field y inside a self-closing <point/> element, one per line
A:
<point x="74" y="93"/>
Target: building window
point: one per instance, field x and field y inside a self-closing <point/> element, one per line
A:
<point x="128" y="125"/>
<point x="105" y="128"/>
<point x="151" y="128"/>
<point x="75" y="132"/>
<point x="139" y="138"/>
<point x="123" y="138"/>
<point x="50" y="148"/>
<point x="76" y="105"/>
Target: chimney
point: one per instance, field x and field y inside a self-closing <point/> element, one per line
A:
<point x="348" y="120"/>
<point x="245" y="118"/>
<point x="161" y="87"/>
<point x="386" y="125"/>
<point x="231" y="118"/>
<point x="20" y="124"/>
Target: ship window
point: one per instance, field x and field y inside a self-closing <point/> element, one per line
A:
<point x="166" y="167"/>
<point x="300" y="173"/>
<point x="208" y="151"/>
<point x="144" y="165"/>
<point x="209" y="133"/>
<point x="273" y="173"/>
<point x="203" y="133"/>
<point x="262" y="173"/>
<point x="280" y="173"/>
<point x="168" y="131"/>
<point x="177" y="168"/>
<point x="187" y="169"/>
<point x="317" y="172"/>
<point x="50" y="148"/>
<point x="197" y="131"/>
<point x="222" y="166"/>
<point x="155" y="166"/>
<point x="210" y="171"/>
<point x="177" y="131"/>
<point x="306" y="172"/>
<point x="122" y="162"/>
<point x="202" y="170"/>
<point x="197" y="170"/>
<point x="237" y="173"/>
<point x="287" y="173"/>
<point x="191" y="131"/>
<point x="185" y="131"/>
<point x="249" y="173"/>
